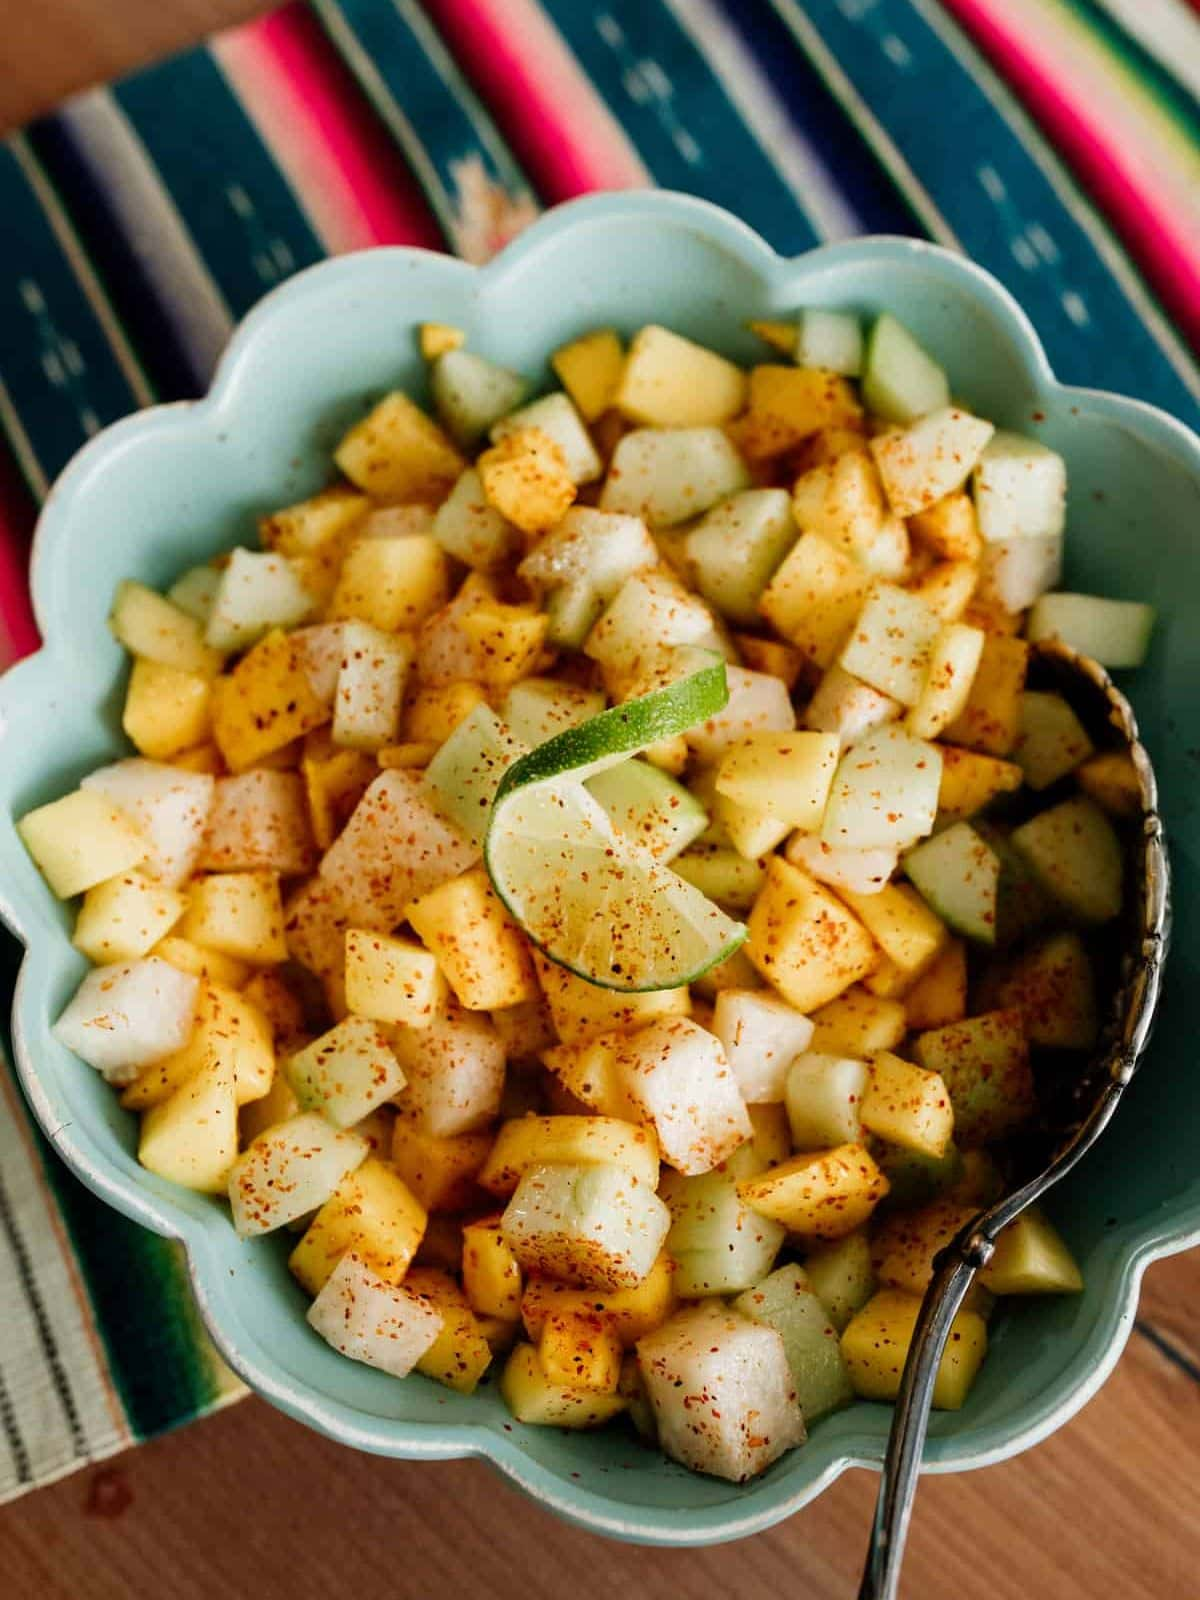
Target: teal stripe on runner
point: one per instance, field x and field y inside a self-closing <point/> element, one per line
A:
<point x="236" y="204"/>
<point x="676" y="112"/>
<point x="1007" y="197"/>
<point x="474" y="184"/>
<point x="61" y="376"/>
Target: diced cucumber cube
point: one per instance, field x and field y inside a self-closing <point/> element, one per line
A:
<point x="958" y="873"/>
<point x="824" y="1093"/>
<point x="984" y="1063"/>
<point x="718" y="1244"/>
<point x="930" y="458"/>
<point x="829" y="339"/>
<point x="787" y="1302"/>
<point x="537" y="708"/>
<point x="195" y="591"/>
<point x="666" y="475"/>
<point x="842" y="1276"/>
<point x="1052" y="741"/>
<point x="649" y="806"/>
<point x="257" y="592"/>
<point x="1020" y="489"/>
<point x="464" y="775"/>
<point x="470" y="393"/>
<point x="1116" y="633"/>
<point x="901" y="380"/>
<point x="470" y="529"/>
<point x="917" y="1178"/>
<point x="1076" y="856"/>
<point x="572" y="611"/>
<point x="721" y="874"/>
<point x="734" y="550"/>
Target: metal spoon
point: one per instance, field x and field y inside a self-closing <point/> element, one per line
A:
<point x="1079" y="1122"/>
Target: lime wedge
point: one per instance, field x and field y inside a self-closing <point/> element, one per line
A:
<point x="589" y="897"/>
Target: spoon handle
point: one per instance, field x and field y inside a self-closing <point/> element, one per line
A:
<point x="910" y="1421"/>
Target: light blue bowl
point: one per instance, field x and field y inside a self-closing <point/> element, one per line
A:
<point x="170" y="486"/>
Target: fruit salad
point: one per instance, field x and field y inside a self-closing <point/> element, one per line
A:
<point x="604" y="883"/>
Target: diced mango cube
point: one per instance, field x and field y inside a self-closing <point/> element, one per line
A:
<point x="534" y="1398"/>
<point x="166" y="710"/>
<point x="391" y="583"/>
<point x="491" y="1273"/>
<point x="461" y="1354"/>
<point x="442" y="1171"/>
<point x="398" y="453"/>
<point x="480" y="949"/>
<point x="589" y="369"/>
<point x="239" y="914"/>
<point x="124" y="917"/>
<point x="581" y="1352"/>
<point x="804" y="941"/>
<point x="79" y="841"/>
<point x="264" y="703"/>
<point x="372" y="1213"/>
<point x="525" y="476"/>
<point x="826" y="1193"/>
<point x="907" y="1105"/>
<point x="526" y="1142"/>
<point x="392" y="980"/>
<point x="875" y="1347"/>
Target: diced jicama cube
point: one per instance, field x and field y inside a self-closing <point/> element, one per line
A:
<point x="594" y="1225"/>
<point x="891" y="644"/>
<point x="651" y="610"/>
<point x="846" y="706"/>
<point x="470" y="393"/>
<point x="1052" y="740"/>
<point x="758" y="703"/>
<point x="1116" y="633"/>
<point x="857" y="1023"/>
<point x="832" y="340"/>
<point x="123" y="1017"/>
<point x="347" y="1072"/>
<point x="723" y="1394"/>
<point x="537" y="708"/>
<point x="734" y="550"/>
<point x="761" y="1036"/>
<point x="392" y="980"/>
<point x="526" y="1142"/>
<point x="787" y="1302"/>
<point x="815" y="597"/>
<point x="290" y="1170"/>
<point x="824" y="1100"/>
<point x="471" y="529"/>
<point x="525" y="477"/>
<point x="884" y="793"/>
<point x="238" y="913"/>
<point x="1053" y="986"/>
<point x="539" y="1400"/>
<point x="81" y="840"/>
<point x="672" y="382"/>
<point x="666" y="475"/>
<point x="191" y="1137"/>
<point x="589" y="369"/>
<point x="875" y="1349"/>
<point x="953" y="663"/>
<point x="373" y="1214"/>
<point x="650" y="807"/>
<point x="124" y="917"/>
<point x="447" y="653"/>
<point x="842" y="500"/>
<point x="464" y="775"/>
<point x="826" y="1193"/>
<point x="154" y="629"/>
<point x="907" y="1105"/>
<point x="861" y="871"/>
<point x="395" y="847"/>
<point x="900" y="379"/>
<point x="258" y="591"/>
<point x="455" y="1072"/>
<point x="984" y="1063"/>
<point x="168" y="808"/>
<point x="676" y="1074"/>
<point x="259" y="820"/>
<point x="718" y="1245"/>
<point x="1075" y="854"/>
<point x="785" y="774"/>
<point x="803" y="939"/>
<point x="1020" y="489"/>
<point x="1016" y="572"/>
<point x="930" y="458"/>
<point x="381" y="1324"/>
<point x="369" y="695"/>
<point x="558" y="419"/>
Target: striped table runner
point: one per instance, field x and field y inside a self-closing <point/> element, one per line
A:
<point x="1056" y="141"/>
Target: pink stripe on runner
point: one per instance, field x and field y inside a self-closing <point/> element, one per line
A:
<point x="18" y="631"/>
<point x="1076" y="112"/>
<point x="560" y="129"/>
<point x="339" y="160"/>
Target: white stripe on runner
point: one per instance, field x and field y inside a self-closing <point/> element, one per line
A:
<point x="1166" y="29"/>
<point x="874" y="134"/>
<point x="85" y="275"/>
<point x="22" y="445"/>
<point x="49" y="1338"/>
<point x="1074" y="202"/>
<point x="153" y="225"/>
<point x="766" y="116"/>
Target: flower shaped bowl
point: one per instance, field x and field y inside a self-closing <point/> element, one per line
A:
<point x="172" y="485"/>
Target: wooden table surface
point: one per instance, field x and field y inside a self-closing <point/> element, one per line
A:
<point x="250" y="1504"/>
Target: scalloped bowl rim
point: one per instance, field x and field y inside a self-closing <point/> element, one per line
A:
<point x="1159" y="1236"/>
